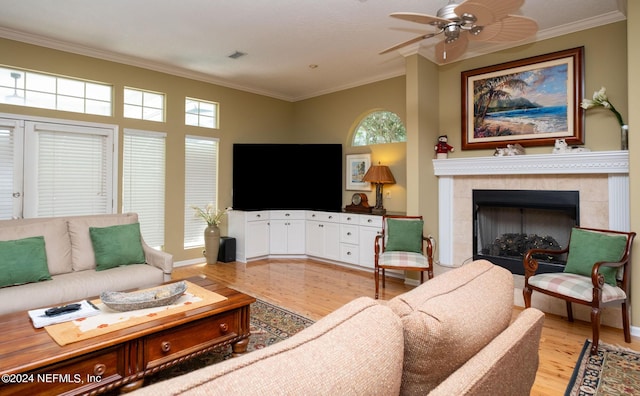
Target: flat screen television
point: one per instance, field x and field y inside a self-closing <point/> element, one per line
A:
<point x="287" y="176"/>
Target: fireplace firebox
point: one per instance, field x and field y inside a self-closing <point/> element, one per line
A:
<point x="507" y="223"/>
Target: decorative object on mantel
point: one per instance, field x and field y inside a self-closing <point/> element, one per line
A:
<point x="379" y="175"/>
<point x="442" y="148"/>
<point x="561" y="147"/>
<point x="213" y="217"/>
<point x="600" y="100"/>
<point x="511" y="149"/>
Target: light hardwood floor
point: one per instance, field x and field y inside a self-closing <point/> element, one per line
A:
<point x="314" y="289"/>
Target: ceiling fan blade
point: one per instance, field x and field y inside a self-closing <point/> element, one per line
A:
<point x="447" y="52"/>
<point x="488" y="11"/>
<point x="409" y="42"/>
<point x="421" y="18"/>
<point x="511" y="28"/>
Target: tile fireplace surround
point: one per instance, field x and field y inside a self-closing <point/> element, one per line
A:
<point x="602" y="178"/>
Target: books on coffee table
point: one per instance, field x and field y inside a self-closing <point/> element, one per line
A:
<point x="60" y="314"/>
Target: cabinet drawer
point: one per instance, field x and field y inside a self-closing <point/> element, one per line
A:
<point x="330" y="217"/>
<point x="349" y="253"/>
<point x="349" y="218"/>
<point x="188" y="338"/>
<point x="257" y="215"/>
<point x="286" y="215"/>
<point x="349" y="234"/>
<point x="371" y="221"/>
<point x="93" y="370"/>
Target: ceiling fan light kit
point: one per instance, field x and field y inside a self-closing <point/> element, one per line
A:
<point x="471" y="20"/>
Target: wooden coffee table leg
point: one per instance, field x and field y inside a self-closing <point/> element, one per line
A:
<point x="240" y="347"/>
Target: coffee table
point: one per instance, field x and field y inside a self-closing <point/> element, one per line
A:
<point x="31" y="362"/>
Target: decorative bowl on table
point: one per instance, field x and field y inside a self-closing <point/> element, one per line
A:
<point x="156" y="297"/>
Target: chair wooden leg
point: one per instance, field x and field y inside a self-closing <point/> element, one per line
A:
<point x="569" y="311"/>
<point x="625" y="322"/>
<point x="376" y="276"/>
<point x="595" y="327"/>
<point x="421" y="277"/>
<point x="526" y="294"/>
<point x="383" y="279"/>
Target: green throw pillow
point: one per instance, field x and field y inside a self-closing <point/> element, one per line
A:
<point x="117" y="245"/>
<point x="23" y="261"/>
<point x="404" y="235"/>
<point x="587" y="248"/>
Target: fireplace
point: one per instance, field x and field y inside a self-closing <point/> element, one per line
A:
<point x="507" y="223"/>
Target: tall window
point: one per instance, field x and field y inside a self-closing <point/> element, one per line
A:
<point x="201" y="185"/>
<point x="201" y="113"/>
<point x="11" y="132"/>
<point x="47" y="91"/>
<point x="143" y="105"/>
<point x="143" y="182"/>
<point x="68" y="170"/>
<point x="50" y="168"/>
<point x="380" y="127"/>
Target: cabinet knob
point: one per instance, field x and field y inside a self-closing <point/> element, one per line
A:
<point x="99" y="369"/>
<point x="165" y="346"/>
<point x="330" y="217"/>
<point x="348" y="218"/>
<point x="369" y="221"/>
<point x="348" y="234"/>
<point x="348" y="253"/>
<point x="258" y="215"/>
<point x="224" y="327"/>
<point x="287" y="215"/>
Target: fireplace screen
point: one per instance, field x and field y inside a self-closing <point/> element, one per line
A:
<point x="507" y="223"/>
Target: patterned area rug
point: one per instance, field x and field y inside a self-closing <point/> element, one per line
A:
<point x="269" y="325"/>
<point x="613" y="371"/>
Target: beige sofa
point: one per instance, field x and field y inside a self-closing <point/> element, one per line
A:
<point x="453" y="335"/>
<point x="71" y="262"/>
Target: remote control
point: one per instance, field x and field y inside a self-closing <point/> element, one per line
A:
<point x="62" y="310"/>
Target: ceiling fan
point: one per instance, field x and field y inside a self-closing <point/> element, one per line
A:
<point x="471" y="20"/>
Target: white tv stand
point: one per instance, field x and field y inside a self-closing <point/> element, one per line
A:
<point x="342" y="238"/>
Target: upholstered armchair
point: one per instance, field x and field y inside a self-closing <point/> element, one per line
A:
<point x="596" y="273"/>
<point x="402" y="246"/>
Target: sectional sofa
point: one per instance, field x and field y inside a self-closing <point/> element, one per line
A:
<point x="452" y="335"/>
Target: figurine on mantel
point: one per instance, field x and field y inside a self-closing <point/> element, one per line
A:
<point x="442" y="148"/>
<point x="561" y="147"/>
<point x="511" y="149"/>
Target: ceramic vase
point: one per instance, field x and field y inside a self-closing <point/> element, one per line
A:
<point x="624" y="137"/>
<point x="211" y="243"/>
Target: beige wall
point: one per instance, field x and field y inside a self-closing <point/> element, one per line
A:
<point x="428" y="100"/>
<point x="244" y="117"/>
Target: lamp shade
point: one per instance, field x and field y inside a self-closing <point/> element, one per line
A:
<point x="379" y="174"/>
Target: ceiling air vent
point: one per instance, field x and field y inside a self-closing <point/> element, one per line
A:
<point x="237" y="55"/>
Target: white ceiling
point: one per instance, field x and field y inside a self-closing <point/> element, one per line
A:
<point x="282" y="38"/>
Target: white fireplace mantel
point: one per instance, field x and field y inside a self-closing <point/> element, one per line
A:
<point x="613" y="163"/>
<point x="585" y="163"/>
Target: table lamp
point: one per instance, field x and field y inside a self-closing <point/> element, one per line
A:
<point x="380" y="175"/>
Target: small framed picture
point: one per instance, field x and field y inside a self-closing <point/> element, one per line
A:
<point x="357" y="166"/>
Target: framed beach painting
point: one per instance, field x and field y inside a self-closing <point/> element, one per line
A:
<point x="531" y="102"/>
<point x="357" y="166"/>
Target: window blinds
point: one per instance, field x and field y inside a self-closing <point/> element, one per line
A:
<point x="143" y="182"/>
<point x="201" y="183"/>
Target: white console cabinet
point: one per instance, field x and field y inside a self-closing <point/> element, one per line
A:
<point x="251" y="231"/>
<point x="336" y="237"/>
<point x="323" y="235"/>
<point x="286" y="232"/>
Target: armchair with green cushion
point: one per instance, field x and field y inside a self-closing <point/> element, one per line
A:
<point x="597" y="272"/>
<point x="402" y="246"/>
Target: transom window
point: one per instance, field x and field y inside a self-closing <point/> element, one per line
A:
<point x="380" y="127"/>
<point x="201" y="113"/>
<point x="143" y="105"/>
<point x="47" y="91"/>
